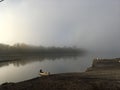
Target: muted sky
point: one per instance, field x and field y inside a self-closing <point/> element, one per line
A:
<point x="90" y="24"/>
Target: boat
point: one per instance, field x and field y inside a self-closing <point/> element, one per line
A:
<point x="44" y="73"/>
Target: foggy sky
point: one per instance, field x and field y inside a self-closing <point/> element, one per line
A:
<point x="90" y="24"/>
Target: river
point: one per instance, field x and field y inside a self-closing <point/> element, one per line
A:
<point x="24" y="69"/>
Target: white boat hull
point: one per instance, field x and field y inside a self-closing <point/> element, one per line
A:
<point x="44" y="73"/>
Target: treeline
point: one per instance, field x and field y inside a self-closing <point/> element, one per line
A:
<point x="21" y="48"/>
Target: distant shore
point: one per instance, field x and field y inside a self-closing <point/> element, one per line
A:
<point x="12" y="53"/>
<point x="25" y="49"/>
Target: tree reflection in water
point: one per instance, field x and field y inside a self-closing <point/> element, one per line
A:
<point x="30" y="59"/>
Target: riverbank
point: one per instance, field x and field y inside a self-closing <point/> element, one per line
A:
<point x="103" y="75"/>
<point x="68" y="81"/>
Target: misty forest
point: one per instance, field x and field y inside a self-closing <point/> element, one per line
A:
<point x="24" y="49"/>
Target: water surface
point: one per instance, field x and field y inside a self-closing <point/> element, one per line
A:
<point x="24" y="69"/>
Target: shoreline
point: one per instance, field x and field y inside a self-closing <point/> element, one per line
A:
<point x="65" y="81"/>
<point x="103" y="75"/>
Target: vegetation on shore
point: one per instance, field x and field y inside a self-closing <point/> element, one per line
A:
<point x="21" y="48"/>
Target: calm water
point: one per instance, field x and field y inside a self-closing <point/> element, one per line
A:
<point x="25" y="69"/>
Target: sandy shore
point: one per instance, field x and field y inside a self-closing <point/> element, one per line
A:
<point x="68" y="81"/>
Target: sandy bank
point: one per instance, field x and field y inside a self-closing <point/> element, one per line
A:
<point x="68" y="81"/>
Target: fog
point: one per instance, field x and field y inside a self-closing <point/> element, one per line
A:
<point x="89" y="24"/>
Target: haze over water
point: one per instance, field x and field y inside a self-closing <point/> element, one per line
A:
<point x="93" y="25"/>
